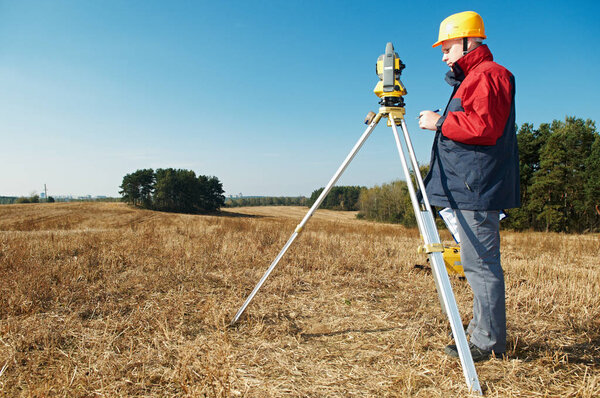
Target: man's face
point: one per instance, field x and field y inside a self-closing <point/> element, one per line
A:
<point x="452" y="51"/>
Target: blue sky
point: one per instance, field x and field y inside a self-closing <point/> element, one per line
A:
<point x="269" y="96"/>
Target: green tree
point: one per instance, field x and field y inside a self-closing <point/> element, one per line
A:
<point x="388" y="203"/>
<point x="211" y="194"/>
<point x="176" y="190"/>
<point x="181" y="191"/>
<point x="531" y="142"/>
<point x="558" y="198"/>
<point x="173" y="190"/>
<point x="137" y="188"/>
<point x="592" y="186"/>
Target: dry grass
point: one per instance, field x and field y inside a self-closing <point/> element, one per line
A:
<point x="104" y="300"/>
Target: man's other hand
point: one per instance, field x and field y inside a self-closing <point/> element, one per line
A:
<point x="428" y="119"/>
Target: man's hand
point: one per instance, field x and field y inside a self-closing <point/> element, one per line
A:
<point x="428" y="119"/>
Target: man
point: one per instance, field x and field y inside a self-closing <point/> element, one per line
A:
<point x="474" y="170"/>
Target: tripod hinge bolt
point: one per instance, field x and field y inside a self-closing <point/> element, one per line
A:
<point x="431" y="248"/>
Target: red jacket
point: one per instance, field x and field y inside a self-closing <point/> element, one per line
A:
<point x="485" y="95"/>
<point x="475" y="160"/>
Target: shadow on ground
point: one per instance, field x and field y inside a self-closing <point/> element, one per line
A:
<point x="585" y="353"/>
<point x="231" y="214"/>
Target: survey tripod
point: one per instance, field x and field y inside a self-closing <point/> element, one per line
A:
<point x="391" y="90"/>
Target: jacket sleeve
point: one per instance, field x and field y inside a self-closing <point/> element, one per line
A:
<point x="486" y="101"/>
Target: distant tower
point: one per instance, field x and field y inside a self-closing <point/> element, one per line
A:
<point x="45" y="193"/>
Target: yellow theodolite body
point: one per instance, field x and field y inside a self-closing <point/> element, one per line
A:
<point x="398" y="89"/>
<point x="389" y="88"/>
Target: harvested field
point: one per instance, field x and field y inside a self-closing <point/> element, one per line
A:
<point x="100" y="299"/>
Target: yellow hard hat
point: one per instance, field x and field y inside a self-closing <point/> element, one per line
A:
<point x="463" y="24"/>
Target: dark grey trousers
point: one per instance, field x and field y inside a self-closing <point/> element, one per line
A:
<point x="479" y="233"/>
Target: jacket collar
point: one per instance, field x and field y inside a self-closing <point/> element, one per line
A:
<point x="474" y="58"/>
<point x="466" y="64"/>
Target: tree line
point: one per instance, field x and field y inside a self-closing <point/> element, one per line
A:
<point x="174" y="190"/>
<point x="7" y="200"/>
<point x="560" y="182"/>
<point x="390" y="202"/>
<point x="339" y="198"/>
<point x="387" y="203"/>
<point x="266" y="201"/>
<point x="560" y="177"/>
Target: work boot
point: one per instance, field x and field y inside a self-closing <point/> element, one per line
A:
<point x="476" y="353"/>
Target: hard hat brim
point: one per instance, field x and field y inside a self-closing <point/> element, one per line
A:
<point x="439" y="42"/>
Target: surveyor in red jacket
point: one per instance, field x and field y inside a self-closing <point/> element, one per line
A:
<point x="474" y="169"/>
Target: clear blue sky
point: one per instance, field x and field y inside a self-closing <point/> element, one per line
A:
<point x="269" y="96"/>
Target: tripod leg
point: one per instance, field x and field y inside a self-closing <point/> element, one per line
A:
<point x="431" y="238"/>
<point x="308" y="215"/>
<point x="425" y="233"/>
<point x="415" y="164"/>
